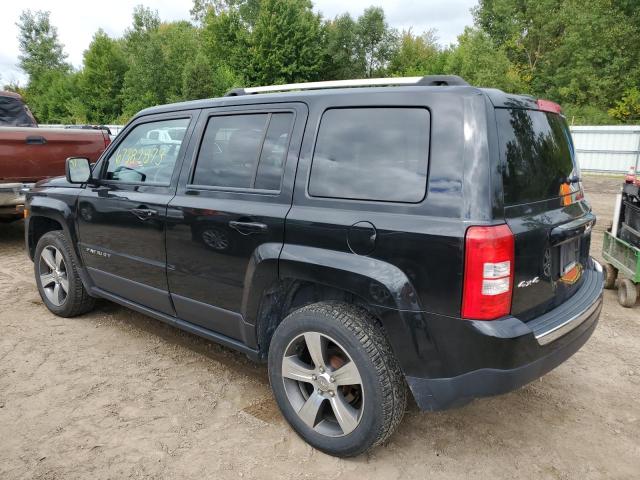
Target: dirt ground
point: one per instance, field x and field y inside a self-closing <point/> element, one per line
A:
<point x="114" y="394"/>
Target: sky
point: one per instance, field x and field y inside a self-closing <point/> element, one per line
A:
<point x="77" y="21"/>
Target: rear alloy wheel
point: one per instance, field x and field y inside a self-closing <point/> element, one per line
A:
<point x="323" y="384"/>
<point x="336" y="379"/>
<point x="627" y="293"/>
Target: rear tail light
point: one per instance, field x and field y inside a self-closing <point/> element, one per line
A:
<point x="488" y="272"/>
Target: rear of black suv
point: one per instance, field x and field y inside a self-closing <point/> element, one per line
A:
<point x="532" y="295"/>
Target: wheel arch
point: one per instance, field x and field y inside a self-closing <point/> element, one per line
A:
<point x="280" y="280"/>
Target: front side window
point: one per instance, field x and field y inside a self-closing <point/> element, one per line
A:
<point x="149" y="152"/>
<point x="244" y="151"/>
<point x="375" y="154"/>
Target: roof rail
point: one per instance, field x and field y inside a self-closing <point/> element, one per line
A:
<point x="428" y="81"/>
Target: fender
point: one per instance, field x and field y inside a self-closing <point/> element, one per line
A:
<point x="61" y="212"/>
<point x="378" y="283"/>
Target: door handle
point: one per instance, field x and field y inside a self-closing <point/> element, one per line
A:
<point x="144" y="213"/>
<point x="35" y="140"/>
<point x="247" y="228"/>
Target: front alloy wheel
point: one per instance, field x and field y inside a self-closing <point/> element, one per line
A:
<point x="58" y="278"/>
<point x="53" y="275"/>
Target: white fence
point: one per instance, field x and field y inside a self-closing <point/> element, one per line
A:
<point x="606" y="149"/>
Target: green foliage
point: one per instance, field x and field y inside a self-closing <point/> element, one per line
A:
<point x="581" y="55"/>
<point x="588" y="59"/>
<point x="41" y="51"/>
<point x="376" y="41"/>
<point x="286" y="43"/>
<point x="417" y="55"/>
<point x="226" y="39"/>
<point x="627" y="109"/>
<point x="54" y="99"/>
<point x="481" y="63"/>
<point x="197" y="81"/>
<point x="102" y="79"/>
<point x="341" y="59"/>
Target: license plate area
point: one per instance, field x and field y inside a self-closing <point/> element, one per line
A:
<point x="569" y="256"/>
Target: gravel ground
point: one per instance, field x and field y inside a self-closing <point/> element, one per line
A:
<point x="114" y="394"/>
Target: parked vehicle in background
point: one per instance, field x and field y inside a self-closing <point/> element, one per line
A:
<point x="418" y="232"/>
<point x="29" y="154"/>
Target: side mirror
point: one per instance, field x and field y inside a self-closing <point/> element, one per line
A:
<point x="78" y="170"/>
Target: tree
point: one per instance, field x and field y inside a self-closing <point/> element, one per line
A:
<point x="197" y="81"/>
<point x="226" y="39"/>
<point x="597" y="59"/>
<point x="145" y="82"/>
<point x="481" y="63"/>
<point x="102" y="79"/>
<point x="627" y="109"/>
<point x="417" y="55"/>
<point x="341" y="50"/>
<point x="179" y="43"/>
<point x="377" y="41"/>
<point x="286" y="43"/>
<point x="41" y="51"/>
<point x="52" y="87"/>
<point x="526" y="30"/>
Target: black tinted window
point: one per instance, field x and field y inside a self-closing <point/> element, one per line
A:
<point x="236" y="152"/>
<point x="148" y="154"/>
<point x="537" y="154"/>
<point x="372" y="154"/>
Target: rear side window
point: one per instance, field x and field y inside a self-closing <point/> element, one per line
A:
<point x="378" y="154"/>
<point x="537" y="155"/>
<point x="244" y="151"/>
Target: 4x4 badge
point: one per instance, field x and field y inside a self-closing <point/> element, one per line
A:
<point x="527" y="283"/>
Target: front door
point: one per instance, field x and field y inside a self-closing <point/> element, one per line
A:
<point x="230" y="204"/>
<point x="122" y="218"/>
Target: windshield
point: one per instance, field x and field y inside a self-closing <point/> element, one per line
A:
<point x="537" y="156"/>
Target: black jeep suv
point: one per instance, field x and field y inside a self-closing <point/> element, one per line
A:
<point x="359" y="236"/>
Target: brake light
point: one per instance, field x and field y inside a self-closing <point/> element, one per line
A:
<point x="549" y="106"/>
<point x="488" y="272"/>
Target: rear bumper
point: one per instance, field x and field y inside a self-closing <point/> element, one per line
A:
<point x="548" y="341"/>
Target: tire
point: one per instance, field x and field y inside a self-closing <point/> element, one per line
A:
<point x="627" y="293"/>
<point x="351" y="338"/>
<point x="611" y="273"/>
<point x="54" y="249"/>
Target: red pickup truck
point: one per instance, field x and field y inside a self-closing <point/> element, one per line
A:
<point x="29" y="153"/>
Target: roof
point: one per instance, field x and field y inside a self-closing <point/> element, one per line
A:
<point x="5" y="93"/>
<point x="301" y="91"/>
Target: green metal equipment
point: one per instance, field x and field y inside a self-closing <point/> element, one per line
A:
<point x="623" y="254"/>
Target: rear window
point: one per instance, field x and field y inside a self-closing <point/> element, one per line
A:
<point x="372" y="154"/>
<point x="537" y="154"/>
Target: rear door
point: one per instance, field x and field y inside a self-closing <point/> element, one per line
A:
<point x="230" y="205"/>
<point x="544" y="208"/>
